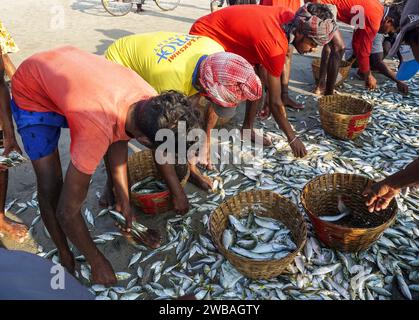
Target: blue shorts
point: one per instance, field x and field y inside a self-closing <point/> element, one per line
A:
<point x="40" y="131"/>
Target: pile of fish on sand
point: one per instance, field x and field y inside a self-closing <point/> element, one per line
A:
<point x="188" y="263"/>
<point x="258" y="238"/>
<point x="149" y="185"/>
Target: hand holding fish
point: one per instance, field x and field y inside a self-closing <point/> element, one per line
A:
<point x="125" y="209"/>
<point x="10" y="145"/>
<point x="138" y="232"/>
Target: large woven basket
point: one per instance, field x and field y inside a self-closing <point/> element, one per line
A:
<point x="277" y="207"/>
<point x="344" y="117"/>
<point x="320" y="197"/>
<point x="344" y="70"/>
<point x="142" y="165"/>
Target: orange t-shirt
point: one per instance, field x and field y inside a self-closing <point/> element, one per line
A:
<point x="292" y="5"/>
<point x="251" y="31"/>
<point x="363" y="38"/>
<point x="92" y="93"/>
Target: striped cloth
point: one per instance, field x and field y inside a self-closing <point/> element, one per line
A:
<point x="228" y="79"/>
<point x="321" y="31"/>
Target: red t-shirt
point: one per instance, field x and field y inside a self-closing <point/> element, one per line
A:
<point x="92" y="93"/>
<point x="292" y="5"/>
<point x="251" y="31"/>
<point x="362" y="38"/>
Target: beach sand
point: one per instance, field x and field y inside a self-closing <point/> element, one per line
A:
<point x="37" y="26"/>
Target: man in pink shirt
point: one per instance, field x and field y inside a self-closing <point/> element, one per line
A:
<point x="104" y="105"/>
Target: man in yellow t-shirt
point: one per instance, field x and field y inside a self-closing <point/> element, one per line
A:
<point x="195" y="66"/>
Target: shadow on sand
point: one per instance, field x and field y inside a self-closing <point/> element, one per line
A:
<point x="111" y="35"/>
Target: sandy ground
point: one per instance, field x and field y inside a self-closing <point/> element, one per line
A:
<point x="36" y="26"/>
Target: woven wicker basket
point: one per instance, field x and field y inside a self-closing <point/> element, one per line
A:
<point x="142" y="165"/>
<point x="344" y="70"/>
<point x="277" y="207"/>
<point x="344" y="117"/>
<point x="320" y="197"/>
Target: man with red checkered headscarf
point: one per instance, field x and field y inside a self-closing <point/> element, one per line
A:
<point x="261" y="35"/>
<point x="195" y="66"/>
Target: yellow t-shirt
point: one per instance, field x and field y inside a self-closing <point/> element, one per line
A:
<point x="166" y="60"/>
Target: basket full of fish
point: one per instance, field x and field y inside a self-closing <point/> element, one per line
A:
<point x="13" y="159"/>
<point x="259" y="232"/>
<point x="344" y="117"/>
<point x="344" y="70"/>
<point x="148" y="191"/>
<point x="337" y="210"/>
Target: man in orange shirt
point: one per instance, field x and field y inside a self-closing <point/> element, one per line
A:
<point x="369" y="17"/>
<point x="104" y="105"/>
<point x="292" y="5"/>
<point x="261" y="35"/>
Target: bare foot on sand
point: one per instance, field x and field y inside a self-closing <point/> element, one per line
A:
<point x="198" y="179"/>
<point x="266" y="140"/>
<point x="16" y="231"/>
<point x="288" y="102"/>
<point x="102" y="272"/>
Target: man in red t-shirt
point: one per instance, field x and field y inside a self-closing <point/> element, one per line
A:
<point x="261" y="35"/>
<point x="369" y="17"/>
<point x="104" y="105"/>
<point x="292" y="5"/>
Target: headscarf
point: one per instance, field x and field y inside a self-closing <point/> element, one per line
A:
<point x="321" y="31"/>
<point x="228" y="79"/>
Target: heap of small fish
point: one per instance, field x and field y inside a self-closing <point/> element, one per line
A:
<point x="149" y="185"/>
<point x="258" y="238"/>
<point x="12" y="160"/>
<point x="190" y="264"/>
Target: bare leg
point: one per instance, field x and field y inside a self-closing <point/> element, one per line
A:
<point x="251" y="111"/>
<point x="17" y="231"/>
<point x="337" y="50"/>
<point x="321" y="84"/>
<point x="69" y="216"/>
<point x="9" y="66"/>
<point x="211" y="121"/>
<point x="50" y="182"/>
<point x="285" y="78"/>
